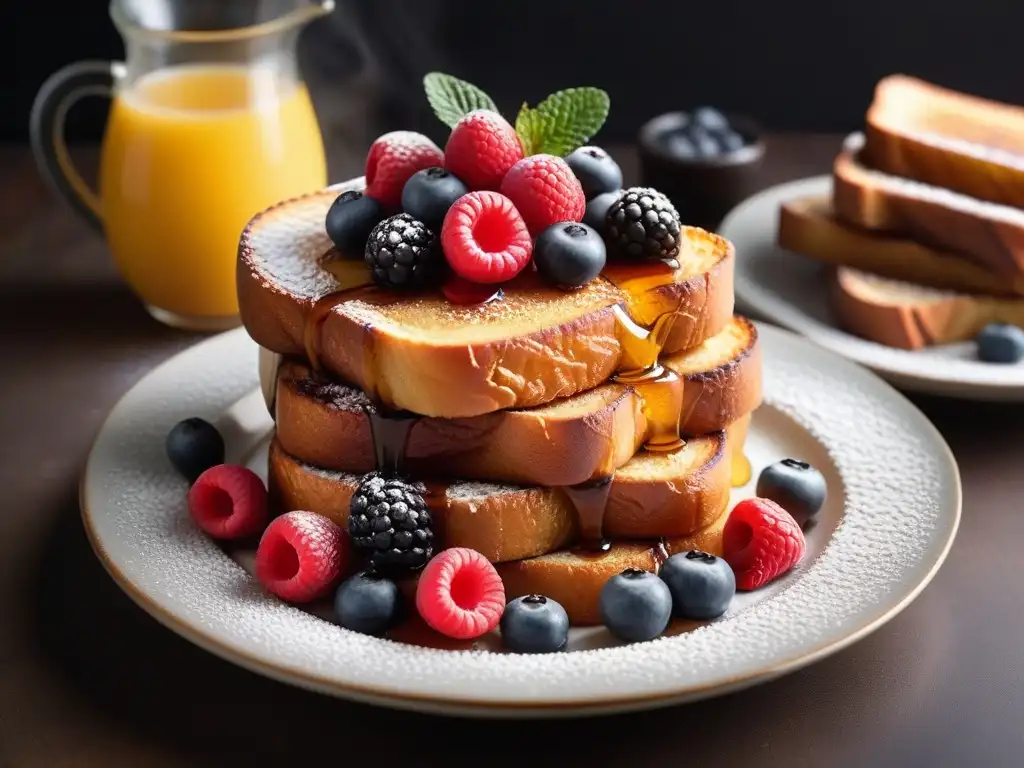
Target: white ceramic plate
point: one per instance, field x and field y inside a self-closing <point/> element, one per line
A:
<point x="891" y="515"/>
<point x="789" y="289"/>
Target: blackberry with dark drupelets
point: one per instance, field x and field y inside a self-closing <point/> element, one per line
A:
<point x="389" y="520"/>
<point x="403" y="253"/>
<point x="643" y="224"/>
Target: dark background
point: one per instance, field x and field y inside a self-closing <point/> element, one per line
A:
<point x="793" y="64"/>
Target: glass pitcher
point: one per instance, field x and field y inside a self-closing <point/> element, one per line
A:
<point x="210" y="123"/>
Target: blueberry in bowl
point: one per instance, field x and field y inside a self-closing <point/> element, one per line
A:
<point x="705" y="160"/>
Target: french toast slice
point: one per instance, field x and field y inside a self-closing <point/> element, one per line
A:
<point x="426" y="355"/>
<point x="910" y="316"/>
<point x="808" y="226"/>
<point x="991" y="234"/>
<point x="948" y="139"/>
<point x="566" y="442"/>
<point x="652" y="495"/>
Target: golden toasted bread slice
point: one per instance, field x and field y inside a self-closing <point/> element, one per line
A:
<point x="991" y="234"/>
<point x="948" y="139"/>
<point x="565" y="442"/>
<point x="808" y="226"/>
<point x="429" y="356"/>
<point x="652" y="495"/>
<point x="911" y="316"/>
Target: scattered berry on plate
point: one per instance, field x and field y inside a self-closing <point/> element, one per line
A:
<point x="228" y="502"/>
<point x="635" y="605"/>
<point x="534" y="624"/>
<point x="1001" y="343"/>
<point x="193" y="446"/>
<point x="569" y="255"/>
<point x="393" y="159"/>
<point x="596" y="213"/>
<point x="368" y="603"/>
<point x="545" y="191"/>
<point x="709" y="119"/>
<point x="794" y="485"/>
<point x="460" y="594"/>
<point x="485" y="239"/>
<point x="389" y="520"/>
<point x="459" y="290"/>
<point x="643" y="224"/>
<point x="301" y="556"/>
<point x="429" y="193"/>
<point x="701" y="584"/>
<point x="403" y="253"/>
<point x="597" y="172"/>
<point x="349" y="221"/>
<point x="761" y="542"/>
<point x="481" y="149"/>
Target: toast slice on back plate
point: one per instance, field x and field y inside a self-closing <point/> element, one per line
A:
<point x="911" y="316"/>
<point x="426" y="355"/>
<point x="652" y="495"/>
<point x="809" y="227"/>
<point x="566" y="442"/>
<point x="991" y="234"/>
<point x="948" y="139"/>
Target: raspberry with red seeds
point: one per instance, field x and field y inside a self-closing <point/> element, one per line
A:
<point x="460" y="594"/>
<point x="393" y="159"/>
<point x="545" y="191"/>
<point x="228" y="502"/>
<point x="301" y="556"/>
<point x="485" y="239"/>
<point x="761" y="542"/>
<point x="481" y="149"/>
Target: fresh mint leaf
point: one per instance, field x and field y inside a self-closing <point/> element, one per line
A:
<point x="528" y="128"/>
<point x="452" y="99"/>
<point x="567" y="119"/>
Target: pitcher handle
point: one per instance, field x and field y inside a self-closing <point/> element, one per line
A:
<point x="46" y="130"/>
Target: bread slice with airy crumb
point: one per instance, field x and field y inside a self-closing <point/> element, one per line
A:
<point x="567" y="442"/>
<point x="426" y="355"/>
<point x="911" y="316"/>
<point x="652" y="495"/>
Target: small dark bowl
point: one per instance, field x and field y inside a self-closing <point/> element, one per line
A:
<point x="703" y="189"/>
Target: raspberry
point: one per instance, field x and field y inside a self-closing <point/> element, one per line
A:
<point x="460" y="594"/>
<point x="393" y="159"/>
<point x="761" y="542"/>
<point x="228" y="502"/>
<point x="545" y="191"/>
<point x="485" y="239"/>
<point x="481" y="149"/>
<point x="301" y="556"/>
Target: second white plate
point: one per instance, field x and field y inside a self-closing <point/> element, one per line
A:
<point x="789" y="289"/>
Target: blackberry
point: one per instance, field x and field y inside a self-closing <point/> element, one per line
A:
<point x="389" y="520"/>
<point x="402" y="253"/>
<point x="643" y="224"/>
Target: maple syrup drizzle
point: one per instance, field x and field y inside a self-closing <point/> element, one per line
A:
<point x="660" y="554"/>
<point x="741" y="470"/>
<point x="590" y="499"/>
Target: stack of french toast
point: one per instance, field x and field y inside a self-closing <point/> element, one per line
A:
<point x="566" y="435"/>
<point x="925" y="223"/>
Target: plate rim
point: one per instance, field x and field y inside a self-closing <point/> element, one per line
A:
<point x="460" y="704"/>
<point x="911" y="380"/>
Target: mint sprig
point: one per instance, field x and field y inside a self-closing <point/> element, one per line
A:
<point x="452" y="99"/>
<point x="562" y="122"/>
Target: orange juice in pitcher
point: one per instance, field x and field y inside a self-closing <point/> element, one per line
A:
<point x="209" y="125"/>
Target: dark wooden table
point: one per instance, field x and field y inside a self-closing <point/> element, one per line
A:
<point x="86" y="678"/>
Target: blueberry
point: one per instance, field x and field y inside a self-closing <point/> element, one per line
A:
<point x="428" y="194"/>
<point x="534" y="624"/>
<point x="368" y="603"/>
<point x="349" y="221"/>
<point x="1001" y="343"/>
<point x="704" y="143"/>
<point x="680" y="146"/>
<point x="193" y="446"/>
<point x="795" y="486"/>
<point x="597" y="209"/>
<point x="702" y="585"/>
<point x="596" y="170"/>
<point x="635" y="605"/>
<point x="569" y="254"/>
<point x="730" y="141"/>
<point x="710" y="119"/>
